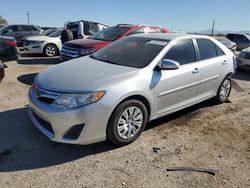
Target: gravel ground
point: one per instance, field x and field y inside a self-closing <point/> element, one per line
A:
<point x="205" y="136"/>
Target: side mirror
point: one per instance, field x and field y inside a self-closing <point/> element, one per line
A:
<point x="168" y="64"/>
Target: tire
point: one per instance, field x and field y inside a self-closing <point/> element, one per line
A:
<point x="50" y="50"/>
<point x="224" y="90"/>
<point x="132" y="129"/>
<point x="66" y="35"/>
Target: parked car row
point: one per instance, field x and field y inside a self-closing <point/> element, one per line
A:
<point x="78" y="48"/>
<point x="20" y="31"/>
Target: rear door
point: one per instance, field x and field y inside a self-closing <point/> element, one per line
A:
<point x="211" y="65"/>
<point x="177" y="88"/>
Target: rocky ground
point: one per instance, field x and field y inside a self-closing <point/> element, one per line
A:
<point x="205" y="136"/>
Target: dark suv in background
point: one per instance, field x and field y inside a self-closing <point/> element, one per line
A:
<point x="242" y="41"/>
<point x="77" y="48"/>
<point x="20" y="31"/>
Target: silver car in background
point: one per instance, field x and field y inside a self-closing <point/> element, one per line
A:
<point x="113" y="93"/>
<point x="244" y="60"/>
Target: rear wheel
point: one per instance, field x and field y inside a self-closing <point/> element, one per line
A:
<point x="224" y="90"/>
<point x="50" y="50"/>
<point x="127" y="122"/>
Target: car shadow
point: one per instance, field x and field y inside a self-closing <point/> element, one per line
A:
<point x="27" y="79"/>
<point x="23" y="147"/>
<point x="190" y="110"/>
<point x="245" y="75"/>
<point x="37" y="59"/>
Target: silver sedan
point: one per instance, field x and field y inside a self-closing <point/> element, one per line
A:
<point x="113" y="93"/>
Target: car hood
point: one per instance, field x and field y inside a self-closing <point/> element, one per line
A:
<point x="83" y="75"/>
<point x="38" y="38"/>
<point x="85" y="43"/>
<point x="247" y="50"/>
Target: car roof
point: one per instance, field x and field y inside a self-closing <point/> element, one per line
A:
<point x="169" y="36"/>
<point x="138" y="25"/>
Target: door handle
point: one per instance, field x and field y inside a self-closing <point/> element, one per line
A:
<point x="224" y="62"/>
<point x="195" y="71"/>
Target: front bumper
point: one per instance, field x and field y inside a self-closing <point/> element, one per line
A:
<point x="34" y="48"/>
<point x="93" y="117"/>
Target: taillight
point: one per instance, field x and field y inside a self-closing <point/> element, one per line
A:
<point x="11" y="43"/>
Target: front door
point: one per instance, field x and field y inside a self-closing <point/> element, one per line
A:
<point x="178" y="88"/>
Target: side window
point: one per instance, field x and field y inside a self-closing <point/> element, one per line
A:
<point x="10" y="29"/>
<point x="24" y="28"/>
<point x="34" y="28"/>
<point x="219" y="51"/>
<point x="137" y="31"/>
<point x="207" y="49"/>
<point x="183" y="52"/>
<point x="244" y="39"/>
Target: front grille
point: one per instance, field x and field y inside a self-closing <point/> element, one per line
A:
<point x="45" y="95"/>
<point x="46" y="100"/>
<point x="44" y="124"/>
<point x="74" y="132"/>
<point x="69" y="52"/>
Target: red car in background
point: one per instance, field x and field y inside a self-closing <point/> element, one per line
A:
<point x="81" y="47"/>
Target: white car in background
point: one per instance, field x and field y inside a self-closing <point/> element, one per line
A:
<point x="48" y="45"/>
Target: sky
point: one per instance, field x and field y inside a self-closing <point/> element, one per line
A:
<point x="178" y="15"/>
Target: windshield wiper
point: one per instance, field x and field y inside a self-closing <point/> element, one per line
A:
<point x="109" y="61"/>
<point x="104" y="60"/>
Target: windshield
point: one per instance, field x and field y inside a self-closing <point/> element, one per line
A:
<point x="48" y="31"/>
<point x="110" y="34"/>
<point x="56" y="33"/>
<point x="135" y="52"/>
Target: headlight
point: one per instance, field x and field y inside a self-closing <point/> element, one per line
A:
<point x="38" y="42"/>
<point x="77" y="100"/>
<point x="87" y="51"/>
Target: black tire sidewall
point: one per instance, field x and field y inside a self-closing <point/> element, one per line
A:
<point x="112" y="132"/>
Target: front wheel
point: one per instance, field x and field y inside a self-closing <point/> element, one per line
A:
<point x="127" y="122"/>
<point x="224" y="90"/>
<point x="50" y="50"/>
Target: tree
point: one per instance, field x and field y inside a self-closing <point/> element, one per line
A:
<point x="2" y="20"/>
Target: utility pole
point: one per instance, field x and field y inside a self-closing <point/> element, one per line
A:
<point x="213" y="27"/>
<point x="28" y="17"/>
